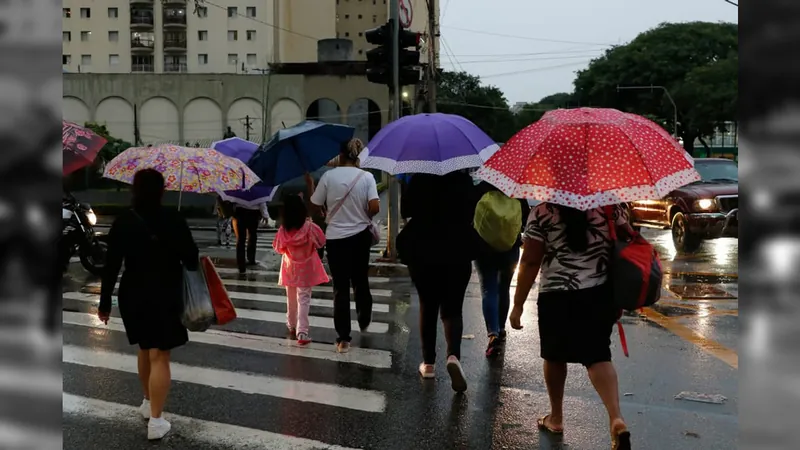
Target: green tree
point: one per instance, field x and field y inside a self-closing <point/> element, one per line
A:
<point x="113" y="145"/>
<point x="532" y="112"/>
<point x="486" y="106"/>
<point x="695" y="61"/>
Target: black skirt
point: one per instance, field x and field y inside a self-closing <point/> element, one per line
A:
<point x="576" y="326"/>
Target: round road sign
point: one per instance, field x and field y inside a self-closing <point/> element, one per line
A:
<point x="406" y="13"/>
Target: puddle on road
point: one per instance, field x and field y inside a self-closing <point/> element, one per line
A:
<point x="700" y="291"/>
<point x="673" y="311"/>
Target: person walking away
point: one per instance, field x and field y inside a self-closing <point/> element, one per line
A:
<point x="298" y="240"/>
<point x="438" y="246"/>
<point x="575" y="308"/>
<point x="228" y="133"/>
<point x="247" y="219"/>
<point x="155" y="244"/>
<point x="224" y="221"/>
<point x="351" y="198"/>
<point x="495" y="273"/>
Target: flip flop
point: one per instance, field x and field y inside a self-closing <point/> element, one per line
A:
<point x="622" y="441"/>
<point x="541" y="424"/>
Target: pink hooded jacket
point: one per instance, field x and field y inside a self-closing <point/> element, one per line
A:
<point x="301" y="266"/>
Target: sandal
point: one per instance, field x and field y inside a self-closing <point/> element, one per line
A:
<point x="542" y="426"/>
<point x="622" y="441"/>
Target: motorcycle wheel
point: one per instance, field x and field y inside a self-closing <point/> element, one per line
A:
<point x="94" y="258"/>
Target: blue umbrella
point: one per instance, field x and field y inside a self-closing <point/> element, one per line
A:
<point x="243" y="150"/>
<point x="302" y="148"/>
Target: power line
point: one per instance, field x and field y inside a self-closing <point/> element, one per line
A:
<point x="554" y="52"/>
<point x="536" y="69"/>
<point x="497" y="61"/>
<point x="529" y="38"/>
<point x="271" y="25"/>
<point x="504" y="108"/>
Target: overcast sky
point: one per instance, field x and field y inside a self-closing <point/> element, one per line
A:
<point x="525" y="64"/>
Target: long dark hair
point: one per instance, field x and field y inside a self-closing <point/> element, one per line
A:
<point x="295" y="213"/>
<point x="577" y="227"/>
<point x="148" y="189"/>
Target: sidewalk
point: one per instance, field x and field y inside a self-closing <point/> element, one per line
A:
<point x="207" y="224"/>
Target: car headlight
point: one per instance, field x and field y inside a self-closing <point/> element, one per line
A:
<point x="91" y="217"/>
<point x="704" y="204"/>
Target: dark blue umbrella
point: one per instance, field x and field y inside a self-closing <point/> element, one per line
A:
<point x="302" y="148"/>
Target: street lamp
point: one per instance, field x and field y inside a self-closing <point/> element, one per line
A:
<point x="674" y="106"/>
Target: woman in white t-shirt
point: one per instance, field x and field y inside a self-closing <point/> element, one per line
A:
<point x="575" y="309"/>
<point x="350" y="196"/>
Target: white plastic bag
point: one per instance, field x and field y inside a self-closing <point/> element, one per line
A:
<point x="198" y="312"/>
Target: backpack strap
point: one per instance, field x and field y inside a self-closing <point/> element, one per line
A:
<point x="612" y="231"/>
<point x="339" y="204"/>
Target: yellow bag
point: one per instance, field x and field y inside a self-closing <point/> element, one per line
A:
<point x="498" y="220"/>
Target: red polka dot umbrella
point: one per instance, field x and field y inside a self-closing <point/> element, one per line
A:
<point x="586" y="158"/>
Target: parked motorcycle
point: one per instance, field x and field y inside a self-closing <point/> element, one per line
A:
<point x="78" y="236"/>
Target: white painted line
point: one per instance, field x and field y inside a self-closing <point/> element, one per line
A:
<point x="274" y="273"/>
<point x="303" y="391"/>
<point x="218" y="435"/>
<point x="39" y="382"/>
<point x="267" y="285"/>
<point x="277" y="299"/>
<point x="75" y="259"/>
<point x="379" y="359"/>
<point x="314" y="321"/>
<point x="14" y="435"/>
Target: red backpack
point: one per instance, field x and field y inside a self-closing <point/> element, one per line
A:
<point x="635" y="272"/>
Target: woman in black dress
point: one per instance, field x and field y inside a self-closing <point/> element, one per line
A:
<point x="154" y="243"/>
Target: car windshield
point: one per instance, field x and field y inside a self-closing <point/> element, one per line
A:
<point x="711" y="171"/>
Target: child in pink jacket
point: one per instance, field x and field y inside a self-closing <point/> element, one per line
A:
<point x="298" y="240"/>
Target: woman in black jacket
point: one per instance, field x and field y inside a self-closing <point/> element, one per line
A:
<point x="155" y="244"/>
<point x="438" y="244"/>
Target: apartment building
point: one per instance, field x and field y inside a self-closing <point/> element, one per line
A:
<point x="173" y="36"/>
<point x="354" y="17"/>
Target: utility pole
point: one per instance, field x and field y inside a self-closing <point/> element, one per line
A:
<point x="433" y="32"/>
<point x="651" y="88"/>
<point x="394" y="90"/>
<point x="266" y="78"/>
<point x="136" y="137"/>
<point x="247" y="126"/>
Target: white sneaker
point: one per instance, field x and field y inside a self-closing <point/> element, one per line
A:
<point x="144" y="410"/>
<point x="457" y="378"/>
<point x="427" y="371"/>
<point x="157" y="428"/>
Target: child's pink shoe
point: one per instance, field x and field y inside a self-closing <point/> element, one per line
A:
<point x="303" y="339"/>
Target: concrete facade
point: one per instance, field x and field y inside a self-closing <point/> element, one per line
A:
<point x="193" y="108"/>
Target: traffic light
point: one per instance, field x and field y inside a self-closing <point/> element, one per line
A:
<point x="379" y="59"/>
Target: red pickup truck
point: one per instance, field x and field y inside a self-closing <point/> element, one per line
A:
<point x="706" y="209"/>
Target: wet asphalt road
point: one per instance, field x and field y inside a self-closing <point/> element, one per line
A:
<point x="376" y="400"/>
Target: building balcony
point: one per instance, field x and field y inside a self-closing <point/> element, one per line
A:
<point x="175" y="68"/>
<point x="174" y="2"/>
<point x="142" y="68"/>
<point x="142" y="45"/>
<point x="174" y="45"/>
<point x="142" y="22"/>
<point x="174" y="21"/>
<point x="142" y="2"/>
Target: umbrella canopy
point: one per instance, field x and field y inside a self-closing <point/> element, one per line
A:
<point x="185" y="169"/>
<point x="586" y="158"/>
<point x="81" y="146"/>
<point x="243" y="150"/>
<point x="428" y="143"/>
<point x="292" y="152"/>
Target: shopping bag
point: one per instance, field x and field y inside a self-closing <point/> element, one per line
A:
<point x="220" y="301"/>
<point x="198" y="313"/>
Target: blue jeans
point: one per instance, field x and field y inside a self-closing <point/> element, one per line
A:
<point x="495" y="272"/>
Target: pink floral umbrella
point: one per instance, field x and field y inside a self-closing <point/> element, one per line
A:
<point x="185" y="169"/>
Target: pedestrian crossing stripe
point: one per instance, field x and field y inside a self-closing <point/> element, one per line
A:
<point x="272" y="386"/>
<point x="265" y="284"/>
<point x="262" y="316"/>
<point x="233" y="271"/>
<point x="217" y="434"/>
<point x="267" y="298"/>
<point x="379" y="359"/>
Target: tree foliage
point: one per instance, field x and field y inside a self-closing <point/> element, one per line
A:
<point x="532" y="112"/>
<point x="113" y="147"/>
<point x="486" y="106"/>
<point x="697" y="62"/>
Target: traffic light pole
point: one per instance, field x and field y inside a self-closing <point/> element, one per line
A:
<point x="394" y="114"/>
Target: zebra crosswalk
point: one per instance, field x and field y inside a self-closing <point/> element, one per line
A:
<point x="242" y="385"/>
<point x="264" y="243"/>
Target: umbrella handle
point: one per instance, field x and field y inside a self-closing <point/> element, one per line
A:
<point x="180" y="187"/>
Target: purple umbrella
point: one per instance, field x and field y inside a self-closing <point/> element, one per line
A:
<point x="428" y="143"/>
<point x="243" y="150"/>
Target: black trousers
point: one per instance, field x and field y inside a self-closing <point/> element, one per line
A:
<point x="246" y="234"/>
<point x="348" y="259"/>
<point x="441" y="289"/>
